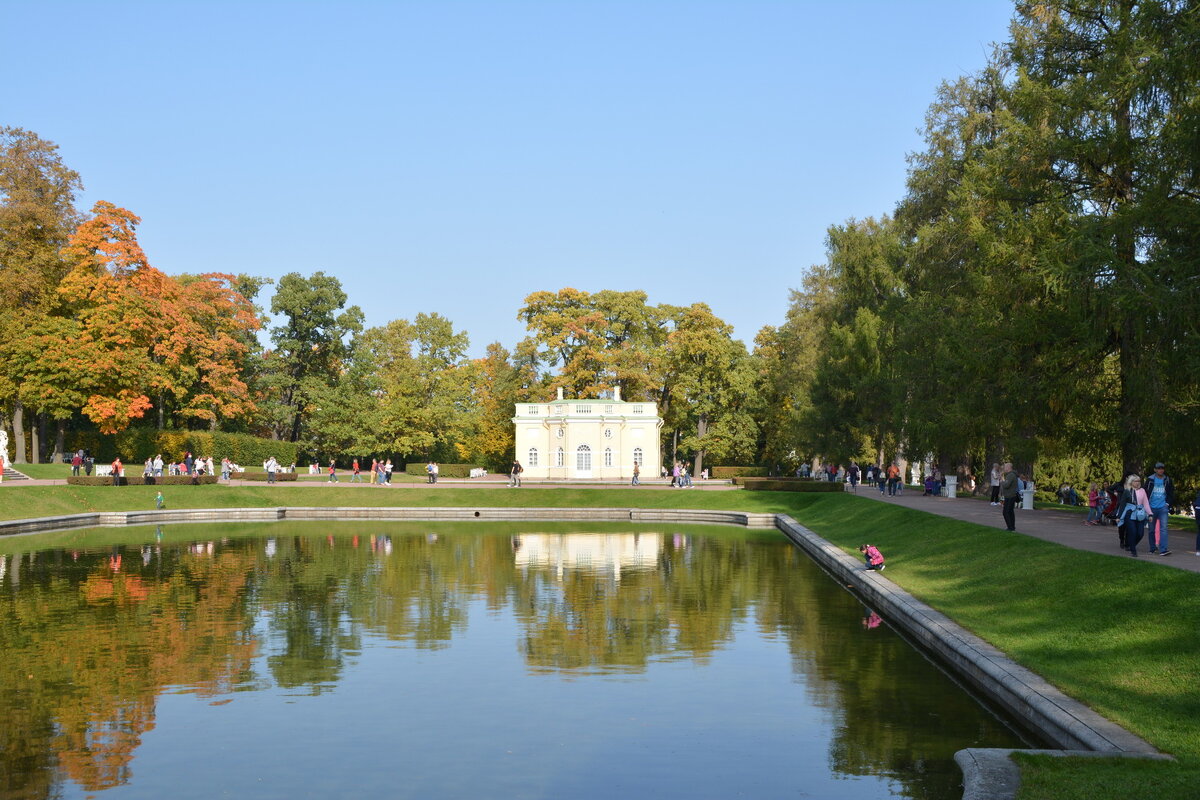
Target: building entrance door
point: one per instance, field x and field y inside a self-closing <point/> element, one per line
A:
<point x="583" y="462"/>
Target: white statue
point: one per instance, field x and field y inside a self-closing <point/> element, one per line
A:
<point x="3" y="452"/>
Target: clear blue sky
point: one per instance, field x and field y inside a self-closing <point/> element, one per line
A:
<point x="455" y="156"/>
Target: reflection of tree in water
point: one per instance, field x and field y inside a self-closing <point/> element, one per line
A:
<point x="87" y="650"/>
<point x="898" y="717"/>
<point x="91" y="639"/>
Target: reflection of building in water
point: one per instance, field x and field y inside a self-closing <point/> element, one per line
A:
<point x="597" y="553"/>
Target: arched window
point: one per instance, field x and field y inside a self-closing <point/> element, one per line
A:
<point x="637" y="456"/>
<point x="608" y="456"/>
<point x="558" y="457"/>
<point x="532" y="457"/>
<point x="583" y="458"/>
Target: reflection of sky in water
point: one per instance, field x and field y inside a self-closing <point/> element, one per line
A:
<point x="412" y="661"/>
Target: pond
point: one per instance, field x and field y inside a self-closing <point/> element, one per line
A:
<point x="516" y="660"/>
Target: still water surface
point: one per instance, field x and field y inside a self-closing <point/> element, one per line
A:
<point x="531" y="660"/>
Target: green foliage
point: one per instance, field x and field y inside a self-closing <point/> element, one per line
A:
<point x="280" y="477"/>
<point x="444" y="470"/>
<point x="724" y="473"/>
<point x="138" y="444"/>
<point x="790" y="485"/>
<point x="311" y="348"/>
<point x="422" y="386"/>
<point x="138" y="480"/>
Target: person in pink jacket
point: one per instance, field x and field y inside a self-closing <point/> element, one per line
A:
<point x="1134" y="511"/>
<point x="872" y="555"/>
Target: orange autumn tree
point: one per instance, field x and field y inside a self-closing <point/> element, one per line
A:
<point x="142" y="334"/>
<point x="209" y="346"/>
<point x="109" y="297"/>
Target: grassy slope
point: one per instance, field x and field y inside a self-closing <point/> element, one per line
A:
<point x="1118" y="634"/>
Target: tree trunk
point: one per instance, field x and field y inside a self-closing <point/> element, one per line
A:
<point x="1129" y="331"/>
<point x="18" y="419"/>
<point x="701" y="431"/>
<point x="161" y="413"/>
<point x="60" y="435"/>
<point x="35" y="444"/>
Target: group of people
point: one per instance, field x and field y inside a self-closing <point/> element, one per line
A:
<point x="381" y="472"/>
<point x="188" y="465"/>
<point x="680" y="477"/>
<point x="1142" y="510"/>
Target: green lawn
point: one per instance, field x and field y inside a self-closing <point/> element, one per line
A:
<point x="1119" y="634"/>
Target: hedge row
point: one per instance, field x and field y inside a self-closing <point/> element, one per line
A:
<point x="138" y="480"/>
<point x="138" y="444"/>
<point x="737" y="472"/>
<point x="284" y="477"/>
<point x="444" y="470"/>
<point x="790" y="485"/>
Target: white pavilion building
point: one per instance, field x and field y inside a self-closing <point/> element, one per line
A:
<point x="588" y="439"/>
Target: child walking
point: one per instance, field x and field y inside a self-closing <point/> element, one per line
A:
<point x="872" y="555"/>
<point x="1095" y="505"/>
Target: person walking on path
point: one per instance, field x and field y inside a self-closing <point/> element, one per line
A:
<point x="357" y="472"/>
<point x="1010" y="490"/>
<point x="514" y="474"/>
<point x="159" y="501"/>
<point x="272" y="465"/>
<point x="117" y="466"/>
<point x="1135" y="510"/>
<point x="333" y="478"/>
<point x="1196" y="516"/>
<point x="893" y="479"/>
<point x="387" y="473"/>
<point x="637" y="474"/>
<point x="852" y="476"/>
<point x="1162" y="497"/>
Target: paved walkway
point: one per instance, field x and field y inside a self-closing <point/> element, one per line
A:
<point x="488" y="482"/>
<point x="1062" y="527"/>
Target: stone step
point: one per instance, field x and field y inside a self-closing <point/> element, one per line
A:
<point x="11" y="474"/>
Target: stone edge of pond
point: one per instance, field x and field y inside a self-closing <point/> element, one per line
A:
<point x="97" y="519"/>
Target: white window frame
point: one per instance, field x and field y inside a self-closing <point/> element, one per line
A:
<point x="608" y="457"/>
<point x="583" y="453"/>
<point x="559" y="457"/>
<point x="583" y="409"/>
<point x="533" y="411"/>
<point x="533" y="457"/>
<point x="636" y="410"/>
<point x="637" y="456"/>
